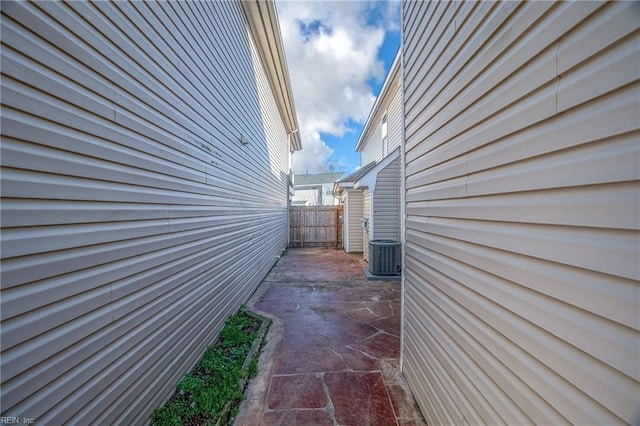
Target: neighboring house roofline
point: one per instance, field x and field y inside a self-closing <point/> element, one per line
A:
<point x="370" y="125"/>
<point x="263" y="23"/>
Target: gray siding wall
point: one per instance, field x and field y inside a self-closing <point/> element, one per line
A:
<point x="353" y="215"/>
<point x="386" y="203"/>
<point x="521" y="275"/>
<point x="366" y="213"/>
<point x="129" y="208"/>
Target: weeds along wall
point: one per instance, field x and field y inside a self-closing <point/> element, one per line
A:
<point x="144" y="198"/>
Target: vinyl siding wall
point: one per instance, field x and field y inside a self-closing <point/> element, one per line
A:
<point x="372" y="150"/>
<point x="394" y="120"/>
<point x="353" y="214"/>
<point x="386" y="203"/>
<point x="521" y="276"/>
<point x="129" y="206"/>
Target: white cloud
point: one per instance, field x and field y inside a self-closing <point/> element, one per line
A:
<point x="313" y="155"/>
<point x="331" y="53"/>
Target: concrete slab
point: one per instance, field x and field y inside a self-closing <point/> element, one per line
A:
<point x="332" y="357"/>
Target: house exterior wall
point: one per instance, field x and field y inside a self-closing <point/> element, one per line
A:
<point x="386" y="203"/>
<point x="372" y="150"/>
<point x="129" y="206"/>
<point x="353" y="213"/>
<point x="309" y="195"/>
<point x="372" y="147"/>
<point x="383" y="193"/>
<point x="313" y="195"/>
<point x="366" y="213"/>
<point x="521" y="275"/>
<point x="394" y="117"/>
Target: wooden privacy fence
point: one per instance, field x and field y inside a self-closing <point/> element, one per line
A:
<point x="315" y="226"/>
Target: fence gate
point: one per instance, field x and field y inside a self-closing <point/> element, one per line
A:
<point x="315" y="226"/>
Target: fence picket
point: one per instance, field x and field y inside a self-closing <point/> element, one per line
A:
<point x="315" y="226"/>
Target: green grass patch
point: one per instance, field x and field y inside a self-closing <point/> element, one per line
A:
<point x="203" y="393"/>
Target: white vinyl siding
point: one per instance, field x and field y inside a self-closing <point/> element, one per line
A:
<point x="129" y="206"/>
<point x="366" y="213"/>
<point x="385" y="120"/>
<point x="521" y="274"/>
<point x="353" y="214"/>
<point x="372" y="150"/>
<point x="386" y="203"/>
<point x="316" y="194"/>
<point x="384" y="133"/>
<point x="394" y="115"/>
<point x="311" y="196"/>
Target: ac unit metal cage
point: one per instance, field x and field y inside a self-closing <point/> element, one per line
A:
<point x="385" y="257"/>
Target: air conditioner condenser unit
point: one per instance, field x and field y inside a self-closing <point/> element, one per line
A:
<point x="385" y="257"/>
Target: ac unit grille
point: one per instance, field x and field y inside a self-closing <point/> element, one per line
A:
<point x="385" y="258"/>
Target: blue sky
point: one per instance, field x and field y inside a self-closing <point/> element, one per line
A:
<point x="338" y="54"/>
<point x="344" y="146"/>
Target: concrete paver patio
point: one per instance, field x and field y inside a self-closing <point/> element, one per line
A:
<point x="333" y="350"/>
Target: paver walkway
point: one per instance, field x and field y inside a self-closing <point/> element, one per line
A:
<point x="333" y="349"/>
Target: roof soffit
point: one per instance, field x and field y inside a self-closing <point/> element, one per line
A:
<point x="369" y="179"/>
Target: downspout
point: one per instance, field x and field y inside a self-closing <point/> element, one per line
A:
<point x="403" y="219"/>
<point x="289" y="186"/>
<point x="289" y="138"/>
<point x="371" y="210"/>
<point x="345" y="222"/>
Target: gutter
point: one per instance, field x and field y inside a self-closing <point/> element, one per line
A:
<point x="265" y="30"/>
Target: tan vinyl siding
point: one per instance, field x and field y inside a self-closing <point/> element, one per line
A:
<point x="129" y="206"/>
<point x="353" y="215"/>
<point x="366" y="213"/>
<point x="386" y="199"/>
<point x="521" y="273"/>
